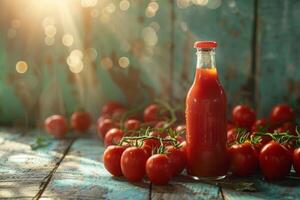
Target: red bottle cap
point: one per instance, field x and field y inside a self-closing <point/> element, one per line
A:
<point x="205" y="44"/>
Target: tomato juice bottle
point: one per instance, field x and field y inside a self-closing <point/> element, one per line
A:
<point x="206" y="118"/>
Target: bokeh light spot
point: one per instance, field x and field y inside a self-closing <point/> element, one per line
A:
<point x="89" y="3"/>
<point x="124" y="62"/>
<point x="124" y="5"/>
<point x="50" y="30"/>
<point x="149" y="36"/>
<point x="67" y="40"/>
<point x="21" y="67"/>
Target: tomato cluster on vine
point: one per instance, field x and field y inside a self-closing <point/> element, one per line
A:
<point x="270" y="144"/>
<point x="143" y="145"/>
<point x="149" y="141"/>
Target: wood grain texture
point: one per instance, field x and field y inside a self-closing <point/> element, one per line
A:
<point x="82" y="175"/>
<point x="183" y="188"/>
<point x="230" y="23"/>
<point x="22" y="169"/>
<point x="278" y="53"/>
<point x="285" y="190"/>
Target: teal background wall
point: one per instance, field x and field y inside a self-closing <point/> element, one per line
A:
<point x="134" y="50"/>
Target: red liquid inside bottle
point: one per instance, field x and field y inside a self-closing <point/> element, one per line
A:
<point x="206" y="118"/>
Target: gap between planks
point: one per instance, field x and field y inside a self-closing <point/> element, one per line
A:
<point x="47" y="179"/>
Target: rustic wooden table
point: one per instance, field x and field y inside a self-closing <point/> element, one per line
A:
<point x="73" y="169"/>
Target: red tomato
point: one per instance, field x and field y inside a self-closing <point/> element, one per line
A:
<point x="102" y="118"/>
<point x="81" y="121"/>
<point x="56" y="125"/>
<point x="112" y="159"/>
<point x="180" y="138"/>
<point x="177" y="159"/>
<point x="113" y="136"/>
<point x="158" y="134"/>
<point x="118" y="113"/>
<point x="288" y="126"/>
<point x="243" y="159"/>
<point x="133" y="162"/>
<point x="151" y="113"/>
<point x="147" y="149"/>
<point x="264" y="140"/>
<point x="296" y="161"/>
<point x="180" y="128"/>
<point x="275" y="161"/>
<point x="183" y="146"/>
<point x="153" y="143"/>
<point x="260" y="124"/>
<point x="104" y="126"/>
<point x="158" y="169"/>
<point x="282" y="113"/>
<point x="132" y="124"/>
<point x="243" y="116"/>
<point x="231" y="136"/>
<point x="160" y="124"/>
<point x="110" y="107"/>
<point x="230" y="126"/>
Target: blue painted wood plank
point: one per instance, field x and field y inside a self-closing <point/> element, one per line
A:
<point x="230" y="23"/>
<point x="182" y="188"/>
<point x="23" y="170"/>
<point x="82" y="175"/>
<point x="285" y="190"/>
<point x="278" y="53"/>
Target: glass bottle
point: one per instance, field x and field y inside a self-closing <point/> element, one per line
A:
<point x="206" y="118"/>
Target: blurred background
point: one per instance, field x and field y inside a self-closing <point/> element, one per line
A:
<point x="57" y="56"/>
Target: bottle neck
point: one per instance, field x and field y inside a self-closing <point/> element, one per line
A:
<point x="206" y="59"/>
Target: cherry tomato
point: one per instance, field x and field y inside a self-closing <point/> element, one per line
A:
<point x="264" y="140"/>
<point x="296" y="161"/>
<point x="260" y="125"/>
<point x="133" y="162"/>
<point x="81" y="121"/>
<point x="243" y="116"/>
<point x="183" y="146"/>
<point x="243" y="159"/>
<point x="110" y="107"/>
<point x="57" y="126"/>
<point x="151" y="113"/>
<point x="132" y="124"/>
<point x="118" y="113"/>
<point x="147" y="149"/>
<point x="158" y="134"/>
<point x="112" y="159"/>
<point x="153" y="143"/>
<point x="275" y="161"/>
<point x="180" y="128"/>
<point x="177" y="159"/>
<point x="231" y="136"/>
<point x="230" y="126"/>
<point x="282" y="113"/>
<point x="104" y="126"/>
<point x="158" y="169"/>
<point x="288" y="126"/>
<point x="102" y="118"/>
<point x="160" y="124"/>
<point x="180" y="138"/>
<point x="113" y="136"/>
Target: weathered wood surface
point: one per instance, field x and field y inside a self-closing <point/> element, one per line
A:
<point x="82" y="175"/>
<point x="66" y="170"/>
<point x="24" y="172"/>
<point x="288" y="189"/>
<point x="181" y="188"/>
<point x="278" y="60"/>
<point x="217" y="20"/>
